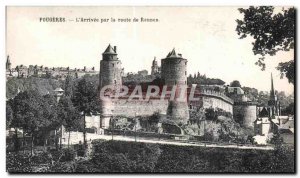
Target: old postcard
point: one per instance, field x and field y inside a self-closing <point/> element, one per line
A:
<point x="95" y="89"/>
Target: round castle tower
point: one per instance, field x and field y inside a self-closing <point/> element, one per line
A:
<point x="110" y="68"/>
<point x="173" y="72"/>
<point x="244" y="112"/>
<point x="110" y="74"/>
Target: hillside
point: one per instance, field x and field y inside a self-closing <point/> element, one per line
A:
<point x="42" y="85"/>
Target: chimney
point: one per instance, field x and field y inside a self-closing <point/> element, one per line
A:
<point x="115" y="49"/>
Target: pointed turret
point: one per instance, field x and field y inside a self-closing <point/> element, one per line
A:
<point x="109" y="50"/>
<point x="8" y="63"/>
<point x="154" y="62"/>
<point x="154" y="67"/>
<point x="110" y="53"/>
<point x="173" y="54"/>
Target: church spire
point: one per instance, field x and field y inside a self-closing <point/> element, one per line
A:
<point x="272" y="92"/>
<point x="8" y="63"/>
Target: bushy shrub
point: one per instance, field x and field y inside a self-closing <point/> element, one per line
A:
<point x="63" y="167"/>
<point x="124" y="156"/>
<point x="80" y="151"/>
<point x="41" y="158"/>
<point x="68" y="155"/>
<point x="18" y="162"/>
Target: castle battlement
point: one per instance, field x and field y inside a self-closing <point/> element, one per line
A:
<point x="216" y="94"/>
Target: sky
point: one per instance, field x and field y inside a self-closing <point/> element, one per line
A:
<point x="205" y="36"/>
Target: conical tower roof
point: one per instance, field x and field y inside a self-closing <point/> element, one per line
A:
<point x="109" y="50"/>
<point x="173" y="54"/>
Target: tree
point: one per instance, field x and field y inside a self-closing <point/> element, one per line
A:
<point x="30" y="113"/>
<point x="85" y="100"/>
<point x="54" y="121"/>
<point x="9" y="115"/>
<point x="289" y="110"/>
<point x="68" y="85"/>
<point x="272" y="32"/>
<point x="69" y="115"/>
<point x="196" y="115"/>
<point x="287" y="69"/>
<point x="235" y="83"/>
<point x="15" y="120"/>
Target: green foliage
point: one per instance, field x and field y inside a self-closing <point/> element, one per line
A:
<point x="289" y="110"/>
<point x="272" y="32"/>
<point x="118" y="156"/>
<point x="125" y="157"/>
<point x="203" y="80"/>
<point x="9" y="114"/>
<point x="63" y="167"/>
<point x="34" y="113"/>
<point x="18" y="163"/>
<point x="213" y="113"/>
<point x="276" y="140"/>
<point x="30" y="111"/>
<point x="85" y="99"/>
<point x="85" y="95"/>
<point x="195" y="159"/>
<point x="68" y="114"/>
<point x="41" y="85"/>
<point x="287" y="69"/>
<point x="235" y="83"/>
<point x="67" y="155"/>
<point x="135" y="79"/>
<point x="41" y="158"/>
<point x="262" y="98"/>
<point x="68" y="86"/>
<point x="196" y="115"/>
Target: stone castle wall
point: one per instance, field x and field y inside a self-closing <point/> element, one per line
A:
<point x="140" y="108"/>
<point x="214" y="99"/>
<point x="215" y="102"/>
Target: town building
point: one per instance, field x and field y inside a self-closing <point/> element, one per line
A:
<point x="22" y="71"/>
<point x="270" y="120"/>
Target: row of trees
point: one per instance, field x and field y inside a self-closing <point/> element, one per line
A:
<point x="38" y="114"/>
<point x="203" y="80"/>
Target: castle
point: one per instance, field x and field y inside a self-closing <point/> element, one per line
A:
<point x="173" y="72"/>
